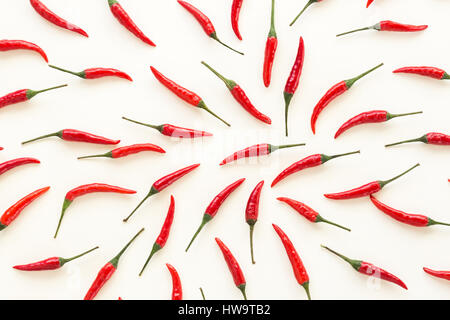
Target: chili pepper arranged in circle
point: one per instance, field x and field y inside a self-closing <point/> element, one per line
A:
<point x="184" y="94"/>
<point x="128" y="150"/>
<point x="365" y="190"/>
<point x="122" y="16"/>
<point x="11" y="164"/>
<point x="271" y="48"/>
<point x="293" y="79"/>
<point x="252" y="212"/>
<point x="87" y="189"/>
<point x="76" y="136"/>
<point x="96" y="73"/>
<point x="235" y="10"/>
<point x="297" y="265"/>
<point x="163" y="235"/>
<point x="308" y="212"/>
<point x="50" y="263"/>
<point x="333" y="93"/>
<point x="162" y="184"/>
<point x="438" y="274"/>
<point x="431" y="72"/>
<point x="233" y="266"/>
<point x="107" y="271"/>
<point x="429" y="138"/>
<point x="22" y="95"/>
<point x="308" y="162"/>
<point x="310" y="2"/>
<point x="48" y="15"/>
<point x="177" y="291"/>
<point x="256" y="151"/>
<point x="369" y="269"/>
<point x="369" y="2"/>
<point x="7" y="45"/>
<point x="206" y="24"/>
<point x="14" y="211"/>
<point x="374" y="116"/>
<point x="214" y="207"/>
<point x="240" y="96"/>
<point x="388" y="25"/>
<point x="416" y="220"/>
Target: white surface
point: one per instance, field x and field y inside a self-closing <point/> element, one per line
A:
<point x="97" y="107"/>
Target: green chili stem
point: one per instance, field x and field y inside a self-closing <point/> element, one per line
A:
<point x="115" y="261"/>
<point x="229" y="83"/>
<point x="78" y="74"/>
<point x="79" y="256"/>
<point x="310" y="2"/>
<point x="252" y="228"/>
<point x="143" y="124"/>
<point x="351" y="81"/>
<point x="321" y="219"/>
<point x="55" y="134"/>
<point x="156" y="247"/>
<point x="353" y="31"/>
<point x="421" y="139"/>
<point x="203" y="294"/>
<point x="383" y="183"/>
<point x="214" y="36"/>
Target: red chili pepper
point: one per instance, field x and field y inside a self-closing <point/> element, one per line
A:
<point x="429" y="138"/>
<point x="430" y="72"/>
<point x="184" y="94"/>
<point x="125" y="20"/>
<point x="7" y="45"/>
<point x="308" y="212"/>
<point x="369" y="269"/>
<point x="369" y="2"/>
<point x="256" y="151"/>
<point x="365" y="190"/>
<point x="177" y="291"/>
<point x="240" y="96"/>
<point x="95" y="73"/>
<point x="77" y="136"/>
<point x="310" y="2"/>
<point x="14" y="211"/>
<point x="22" y="95"/>
<point x="252" y="212"/>
<point x="53" y="18"/>
<point x="388" y="25"/>
<point x="271" y="48"/>
<point x="308" y="162"/>
<point x="439" y="274"/>
<point x="162" y="184"/>
<point x="11" y="164"/>
<point x="297" y="265"/>
<point x="294" y="79"/>
<point x="333" y="93"/>
<point x="87" y="189"/>
<point x="214" y="207"/>
<point x="206" y="24"/>
<point x="374" y="116"/>
<point x="126" y="151"/>
<point x="107" y="271"/>
<point x="50" y="263"/>
<point x="235" y="10"/>
<point x="163" y="235"/>
<point x="233" y="266"/>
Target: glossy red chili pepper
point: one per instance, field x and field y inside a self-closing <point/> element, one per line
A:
<point x="14" y="211"/>
<point x="77" y="136"/>
<point x="374" y="116"/>
<point x="162" y="184"/>
<point x="7" y="45"/>
<point x="235" y="10"/>
<point x="252" y="212"/>
<point x="435" y="138"/>
<point x="388" y="25"/>
<point x="214" y="207"/>
<point x="308" y="162"/>
<point x="294" y="79"/>
<point x="125" y="20"/>
<point x="297" y="265"/>
<point x="87" y="189"/>
<point x="163" y="235"/>
<point x="233" y="266"/>
<point x="206" y="24"/>
<point x="177" y="291"/>
<point x="439" y="274"/>
<point x="308" y="212"/>
<point x="369" y="269"/>
<point x="1" y="148"/>
<point x="50" y="263"/>
<point x="333" y="93"/>
<point x="256" y="151"/>
<point x="128" y="150"/>
<point x="271" y="48"/>
<point x="11" y="164"/>
<point x="107" y="271"/>
<point x="365" y="190"/>
<point x="310" y="2"/>
<point x="96" y="73"/>
<point x="22" y="95"/>
<point x="240" y="96"/>
<point x="430" y="72"/>
<point x="369" y="2"/>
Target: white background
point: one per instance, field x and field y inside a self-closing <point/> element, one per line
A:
<point x="97" y="107"/>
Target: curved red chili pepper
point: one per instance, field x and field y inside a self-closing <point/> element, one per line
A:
<point x="128" y="150"/>
<point x="122" y="16"/>
<point x="435" y="138"/>
<point x="7" y="45"/>
<point x="439" y="274"/>
<point x="374" y="116"/>
<point x="233" y="266"/>
<point x="308" y="162"/>
<point x="235" y="10"/>
<point x="96" y="73"/>
<point x="240" y="96"/>
<point x="177" y="291"/>
<point x="369" y="2"/>
<point x="163" y="235"/>
<point x="310" y="2"/>
<point x="214" y="207"/>
<point x="14" y="211"/>
<point x="77" y="136"/>
<point x="333" y="93"/>
<point x="365" y="190"/>
<point x="107" y="271"/>
<point x="11" y="164"/>
<point x="388" y="25"/>
<point x="271" y="48"/>
<point x="205" y="22"/>
<point x="297" y="265"/>
<point x="163" y="183"/>
<point x="87" y="189"/>
<point x="369" y="269"/>
<point x="431" y="72"/>
<point x="22" y="95"/>
<point x="252" y="212"/>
